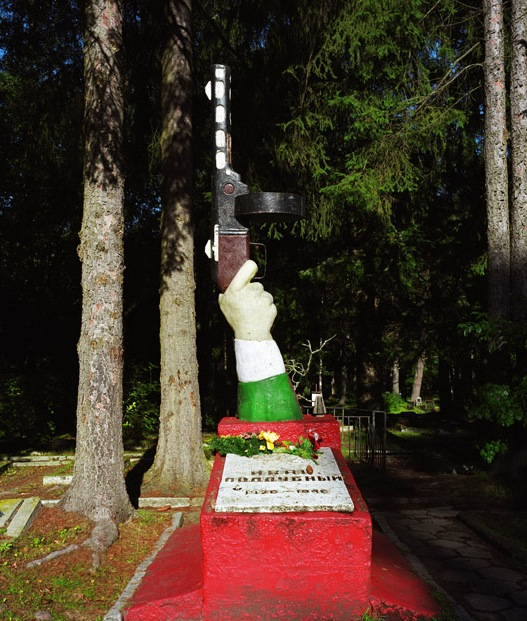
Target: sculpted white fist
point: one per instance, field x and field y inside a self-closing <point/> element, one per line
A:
<point x="247" y="307"/>
<point x="264" y="390"/>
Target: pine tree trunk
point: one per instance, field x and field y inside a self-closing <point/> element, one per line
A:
<point x="418" y="377"/>
<point x="396" y="389"/>
<point x="343" y="385"/>
<point x="179" y="463"/>
<point x="446" y="387"/>
<point x="495" y="150"/>
<point x="518" y="103"/>
<point x="98" y="489"/>
<point x="368" y="386"/>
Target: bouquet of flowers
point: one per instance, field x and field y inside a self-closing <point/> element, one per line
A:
<point x="265" y="443"/>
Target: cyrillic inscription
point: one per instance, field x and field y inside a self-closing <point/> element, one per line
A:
<point x="282" y="483"/>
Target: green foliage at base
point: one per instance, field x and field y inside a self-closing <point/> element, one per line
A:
<point x="501" y="403"/>
<point x="493" y="449"/>
<point x="371" y="616"/>
<point x="250" y="445"/>
<point x="505" y="406"/>
<point x="237" y="445"/>
<point x="393" y="403"/>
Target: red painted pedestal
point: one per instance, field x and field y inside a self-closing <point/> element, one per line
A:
<point x="326" y="426"/>
<point x="263" y="566"/>
<point x="291" y="565"/>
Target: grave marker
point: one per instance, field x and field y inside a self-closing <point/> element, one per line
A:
<point x="280" y="483"/>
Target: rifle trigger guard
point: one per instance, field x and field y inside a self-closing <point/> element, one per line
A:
<point x="262" y="266"/>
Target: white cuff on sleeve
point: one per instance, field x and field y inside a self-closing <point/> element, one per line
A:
<point x="257" y="360"/>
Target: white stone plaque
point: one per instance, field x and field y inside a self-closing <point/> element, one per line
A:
<point x="281" y="482"/>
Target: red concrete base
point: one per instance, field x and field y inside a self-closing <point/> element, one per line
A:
<point x="259" y="567"/>
<point x="326" y="426"/>
<point x="396" y="591"/>
<point x="172" y="589"/>
<point x="295" y="566"/>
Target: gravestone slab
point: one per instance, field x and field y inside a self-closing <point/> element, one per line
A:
<point x="161" y="502"/>
<point x="57" y="480"/>
<point x="8" y="507"/>
<point x="281" y="483"/>
<point x="24" y="516"/>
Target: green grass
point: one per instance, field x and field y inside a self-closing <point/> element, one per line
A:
<point x="371" y="616"/>
<point x="414" y="434"/>
<point x="68" y="587"/>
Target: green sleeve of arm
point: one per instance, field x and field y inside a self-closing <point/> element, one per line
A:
<point x="268" y="400"/>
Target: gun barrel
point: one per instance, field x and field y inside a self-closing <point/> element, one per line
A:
<point x="221" y="115"/>
<point x="230" y="238"/>
<point x="229" y="244"/>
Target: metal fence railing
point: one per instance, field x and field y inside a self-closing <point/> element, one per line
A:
<point x="362" y="435"/>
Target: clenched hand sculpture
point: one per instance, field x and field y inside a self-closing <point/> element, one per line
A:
<point x="264" y="390"/>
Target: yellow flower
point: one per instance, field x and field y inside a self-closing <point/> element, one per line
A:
<point x="270" y="438"/>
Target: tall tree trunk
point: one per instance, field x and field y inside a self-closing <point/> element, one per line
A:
<point x="368" y="393"/>
<point x="396" y="389"/>
<point x="98" y="488"/>
<point x="446" y="386"/>
<point x="343" y="385"/>
<point x="495" y="149"/>
<point x="418" y="377"/>
<point x="518" y="103"/>
<point x="179" y="463"/>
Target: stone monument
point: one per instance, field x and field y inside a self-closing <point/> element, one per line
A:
<point x="280" y="536"/>
<point x="279" y="527"/>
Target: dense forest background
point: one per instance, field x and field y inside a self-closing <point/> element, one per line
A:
<point x="372" y="110"/>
